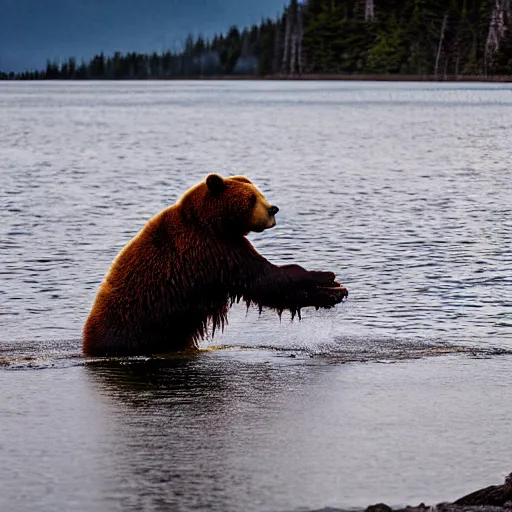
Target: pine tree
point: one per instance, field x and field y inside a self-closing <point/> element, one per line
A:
<point x="443" y="37"/>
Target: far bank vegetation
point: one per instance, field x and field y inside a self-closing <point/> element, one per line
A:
<point x="439" y="38"/>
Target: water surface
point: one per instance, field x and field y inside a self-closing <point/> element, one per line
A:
<point x="402" y="189"/>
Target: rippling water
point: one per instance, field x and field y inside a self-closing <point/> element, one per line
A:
<point x="402" y="189"/>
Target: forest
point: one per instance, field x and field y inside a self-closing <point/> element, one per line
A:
<point x="440" y="38"/>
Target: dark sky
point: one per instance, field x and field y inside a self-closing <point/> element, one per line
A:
<point x="33" y="30"/>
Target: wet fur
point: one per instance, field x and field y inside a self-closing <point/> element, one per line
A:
<point x="184" y="270"/>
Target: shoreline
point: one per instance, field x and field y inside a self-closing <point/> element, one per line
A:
<point x="348" y="78"/>
<point x="295" y="78"/>
<point x="493" y="498"/>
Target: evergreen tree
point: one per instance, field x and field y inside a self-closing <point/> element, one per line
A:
<point x="419" y="37"/>
<point x="52" y="70"/>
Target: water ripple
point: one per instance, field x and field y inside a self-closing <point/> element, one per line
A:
<point x="400" y="190"/>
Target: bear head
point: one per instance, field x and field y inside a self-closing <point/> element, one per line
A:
<point x="228" y="206"/>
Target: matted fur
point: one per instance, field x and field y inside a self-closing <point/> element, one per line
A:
<point x="186" y="267"/>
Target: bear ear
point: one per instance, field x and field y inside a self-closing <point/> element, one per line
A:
<point x="215" y="183"/>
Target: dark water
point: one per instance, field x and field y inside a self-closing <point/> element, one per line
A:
<point x="402" y="189"/>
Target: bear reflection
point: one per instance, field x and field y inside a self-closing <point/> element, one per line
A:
<point x="190" y="432"/>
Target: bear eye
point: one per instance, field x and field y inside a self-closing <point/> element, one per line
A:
<point x="252" y="200"/>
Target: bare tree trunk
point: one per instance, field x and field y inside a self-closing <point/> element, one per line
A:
<point x="287" y="34"/>
<point x="300" y="36"/>
<point x="497" y="28"/>
<point x="293" y="53"/>
<point x="369" y="10"/>
<point x="277" y="48"/>
<point x="439" y="48"/>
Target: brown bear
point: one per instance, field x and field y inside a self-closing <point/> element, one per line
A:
<point x="188" y="265"/>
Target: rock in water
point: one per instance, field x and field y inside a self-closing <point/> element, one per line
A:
<point x="496" y="495"/>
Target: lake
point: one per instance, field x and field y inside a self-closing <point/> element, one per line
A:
<point x="401" y="394"/>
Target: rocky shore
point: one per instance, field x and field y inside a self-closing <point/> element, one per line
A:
<point x="495" y="498"/>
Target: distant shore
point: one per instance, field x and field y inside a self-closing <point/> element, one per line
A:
<point x="342" y="77"/>
<point x="298" y="78"/>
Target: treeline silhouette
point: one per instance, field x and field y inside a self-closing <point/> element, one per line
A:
<point x="408" y="37"/>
